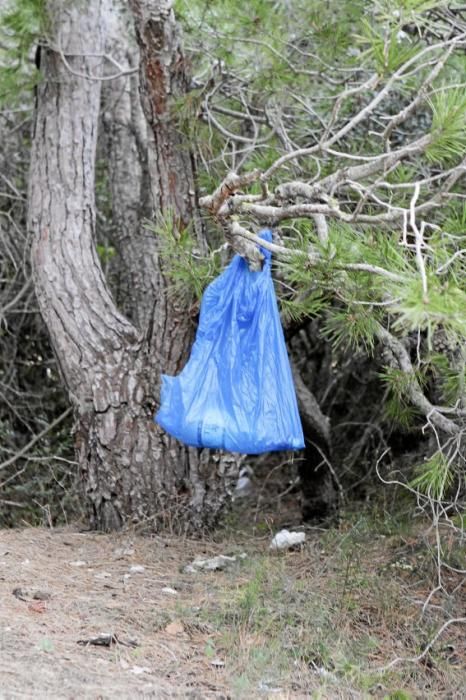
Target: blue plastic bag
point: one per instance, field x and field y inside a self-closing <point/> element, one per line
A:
<point x="236" y="391"/>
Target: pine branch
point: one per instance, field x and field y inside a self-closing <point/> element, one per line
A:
<point x="398" y="357"/>
<point x="313" y="257"/>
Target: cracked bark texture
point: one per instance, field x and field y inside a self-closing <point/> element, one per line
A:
<point x="130" y="469"/>
<point x="163" y="80"/>
<point x="123" y="142"/>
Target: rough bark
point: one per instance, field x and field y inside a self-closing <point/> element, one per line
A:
<point x="123" y="142"/>
<point x="163" y="81"/>
<point x="130" y="470"/>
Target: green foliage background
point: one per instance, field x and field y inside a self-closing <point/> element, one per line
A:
<point x="279" y="68"/>
<point x="290" y="60"/>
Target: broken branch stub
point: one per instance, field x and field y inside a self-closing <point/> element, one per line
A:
<point x="218" y="205"/>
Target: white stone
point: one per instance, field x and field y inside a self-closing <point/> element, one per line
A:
<point x="169" y="591"/>
<point x="213" y="564"/>
<point x="136" y="569"/>
<point x="103" y="574"/>
<point x="286" y="539"/>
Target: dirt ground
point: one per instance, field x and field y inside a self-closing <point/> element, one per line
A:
<point x="220" y="634"/>
<point x="94" y="591"/>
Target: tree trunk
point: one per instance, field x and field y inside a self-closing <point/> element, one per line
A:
<point x="130" y="469"/>
<point x="123" y="143"/>
<point x="316" y="474"/>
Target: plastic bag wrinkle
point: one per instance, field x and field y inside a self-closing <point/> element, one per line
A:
<point x="236" y="391"/>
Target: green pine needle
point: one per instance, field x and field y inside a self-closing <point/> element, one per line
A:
<point x="444" y="306"/>
<point x="448" y="126"/>
<point x="452" y="380"/>
<point x="352" y="327"/>
<point x="23" y="24"/>
<point x="434" y="477"/>
<point x="189" y="270"/>
<point x="399" y="413"/>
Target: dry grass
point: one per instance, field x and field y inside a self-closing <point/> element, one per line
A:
<point x="317" y="622"/>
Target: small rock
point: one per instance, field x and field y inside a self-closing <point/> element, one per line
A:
<point x="107" y="639"/>
<point x="103" y="574"/>
<point x="136" y="569"/>
<point x="122" y="552"/>
<point x="265" y="686"/>
<point x="174" y="628"/>
<point x="214" y="564"/>
<point x="20" y="593"/>
<point x="169" y="591"/>
<point x="78" y="563"/>
<point x="404" y="565"/>
<point x="42" y="595"/>
<point x="137" y="670"/>
<point x="37" y="606"/>
<point x="286" y="539"/>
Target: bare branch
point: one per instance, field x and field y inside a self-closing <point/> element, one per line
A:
<point x="427" y="648"/>
<point x="24" y="450"/>
<point x="228" y="187"/>
<point x="419" y="240"/>
<point x="420" y="97"/>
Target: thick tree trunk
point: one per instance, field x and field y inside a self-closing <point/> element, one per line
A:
<point x="163" y="81"/>
<point x="123" y="143"/>
<point x="130" y="470"/>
